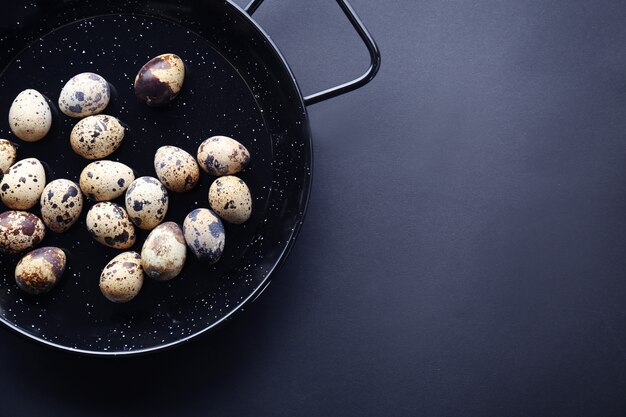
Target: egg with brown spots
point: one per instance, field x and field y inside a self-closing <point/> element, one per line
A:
<point x="176" y="169"/>
<point x="146" y="202"/>
<point x="109" y="224"/>
<point x="122" y="278"/>
<point x="40" y="270"/>
<point x="84" y="95"/>
<point x="164" y="252"/>
<point x="97" y="137"/>
<point x="105" y="180"/>
<point x="159" y="81"/>
<point x="230" y="198"/>
<point x="23" y="184"/>
<point x="20" y="231"/>
<point x="8" y="155"/>
<point x="221" y="155"/>
<point x="61" y="204"/>
<point x="30" y="117"/>
<point x="204" y="234"/>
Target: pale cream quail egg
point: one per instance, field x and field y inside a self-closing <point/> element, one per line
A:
<point x="204" y="234"/>
<point x="109" y="224"/>
<point x="122" y="278"/>
<point x="30" y="117"/>
<point x="84" y="95"/>
<point x="105" y="180"/>
<point x="230" y="198"/>
<point x="164" y="252"/>
<point x="8" y="155"/>
<point x="146" y="202"/>
<point x="23" y="184"/>
<point x="97" y="137"/>
<point x="61" y="204"/>
<point x="176" y="169"/>
<point x="221" y="155"/>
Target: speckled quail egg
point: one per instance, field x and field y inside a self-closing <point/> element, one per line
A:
<point x="204" y="234"/>
<point x="84" y="95"/>
<point x="176" y="169"/>
<point x="146" y="202"/>
<point x="221" y="155"/>
<point x="122" y="278"/>
<point x="164" y="252"/>
<point x="230" y="198"/>
<point x="30" y="117"/>
<point x="20" y="231"/>
<point x="96" y="137"/>
<point x="8" y="155"/>
<point x="61" y="204"/>
<point x="22" y="184"/>
<point x="40" y="270"/>
<point x="159" y="81"/>
<point x="109" y="224"/>
<point x="105" y="180"/>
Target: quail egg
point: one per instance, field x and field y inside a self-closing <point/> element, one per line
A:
<point x="30" y="117"/>
<point x="221" y="155"/>
<point x="109" y="224"/>
<point x="61" y="204"/>
<point x="164" y="252"/>
<point x="105" y="180"/>
<point x="84" y="95"/>
<point x="20" y="231"/>
<point x="204" y="234"/>
<point x="159" y="81"/>
<point x="122" y="278"/>
<point x="40" y="270"/>
<point x="176" y="169"/>
<point x="8" y="155"/>
<point x="96" y="137"/>
<point x="230" y="198"/>
<point x="146" y="202"/>
<point x="22" y="184"/>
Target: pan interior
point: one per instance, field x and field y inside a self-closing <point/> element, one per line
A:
<point x="216" y="99"/>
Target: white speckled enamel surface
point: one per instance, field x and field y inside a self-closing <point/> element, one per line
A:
<point x="247" y="102"/>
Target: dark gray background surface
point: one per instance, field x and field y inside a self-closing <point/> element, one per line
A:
<point x="464" y="252"/>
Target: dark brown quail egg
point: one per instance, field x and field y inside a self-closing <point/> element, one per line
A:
<point x="22" y="184"/>
<point x="105" y="180"/>
<point x="84" y="95"/>
<point x="20" y="231"/>
<point x="122" y="278"/>
<point x="146" y="202"/>
<point x="61" y="204"/>
<point x="109" y="224"/>
<point x="159" y="81"/>
<point x="221" y="155"/>
<point x="30" y="118"/>
<point x="96" y="137"/>
<point x="40" y="270"/>
<point x="230" y="198"/>
<point x="164" y="253"/>
<point x="8" y="155"/>
<point x="204" y="234"/>
<point x="176" y="169"/>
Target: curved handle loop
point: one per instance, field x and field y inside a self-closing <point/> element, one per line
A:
<point x="367" y="40"/>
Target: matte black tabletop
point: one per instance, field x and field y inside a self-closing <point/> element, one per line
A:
<point x="464" y="252"/>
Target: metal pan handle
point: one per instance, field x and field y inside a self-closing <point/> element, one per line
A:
<point x="369" y="43"/>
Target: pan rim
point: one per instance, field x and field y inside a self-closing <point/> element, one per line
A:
<point x="254" y="295"/>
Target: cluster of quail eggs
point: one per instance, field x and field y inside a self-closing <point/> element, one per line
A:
<point x="146" y="199"/>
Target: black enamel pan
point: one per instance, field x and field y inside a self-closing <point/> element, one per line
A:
<point x="237" y="84"/>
